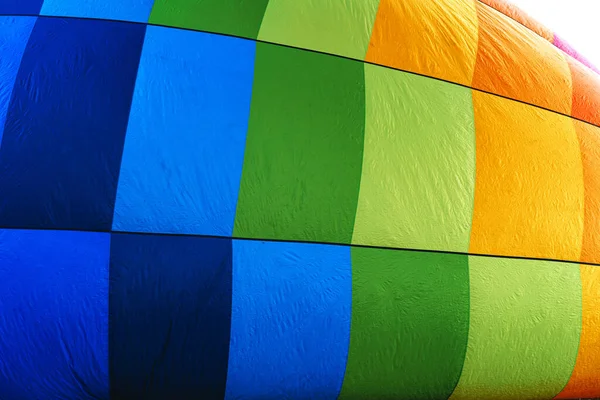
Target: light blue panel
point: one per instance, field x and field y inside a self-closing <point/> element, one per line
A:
<point x="14" y="35"/>
<point x="184" y="149"/>
<point x="126" y="10"/>
<point x="290" y="322"/>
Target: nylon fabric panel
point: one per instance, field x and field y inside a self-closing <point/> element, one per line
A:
<point x="433" y="38"/>
<point x="574" y="55"/>
<point x="586" y="93"/>
<point x="230" y="17"/>
<point x="290" y="322"/>
<point x="529" y="188"/>
<point x="524" y="329"/>
<point x="514" y="12"/>
<point x="510" y="61"/>
<point x="304" y="147"/>
<point x="585" y="380"/>
<point x="66" y="124"/>
<point x="184" y="148"/>
<point x="418" y="174"/>
<point x="53" y="315"/>
<point x="589" y="143"/>
<point x="410" y="316"/>
<point x="330" y="26"/>
<point x="170" y="316"/>
<point x="14" y="35"/>
<point x="127" y="10"/>
<point x="21" y="7"/>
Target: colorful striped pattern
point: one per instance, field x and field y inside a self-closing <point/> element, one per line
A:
<point x="295" y="199"/>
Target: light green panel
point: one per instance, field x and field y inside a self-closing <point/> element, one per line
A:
<point x="341" y="27"/>
<point x="418" y="175"/>
<point x="524" y="329"/>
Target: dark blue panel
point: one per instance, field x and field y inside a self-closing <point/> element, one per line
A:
<point x="184" y="150"/>
<point x="126" y="10"/>
<point x="16" y="7"/>
<point x="65" y="128"/>
<point x="170" y="317"/>
<point x="290" y="325"/>
<point x="53" y="315"/>
<point x="14" y="35"/>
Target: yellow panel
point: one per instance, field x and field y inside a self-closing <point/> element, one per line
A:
<point x="529" y="195"/>
<point x="589" y="140"/>
<point x="434" y="38"/>
<point x="585" y="380"/>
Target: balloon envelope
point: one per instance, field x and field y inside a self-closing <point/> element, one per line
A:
<point x="283" y="199"/>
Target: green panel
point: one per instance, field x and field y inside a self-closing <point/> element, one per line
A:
<point x="303" y="156"/>
<point x="231" y="17"/>
<point x="524" y="329"/>
<point x="418" y="177"/>
<point x="410" y="313"/>
<point x="330" y="26"/>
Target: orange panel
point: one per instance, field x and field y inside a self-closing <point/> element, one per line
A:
<point x="529" y="194"/>
<point x="514" y="62"/>
<point x="521" y="17"/>
<point x="585" y="380"/>
<point x="433" y="38"/>
<point x="586" y="92"/>
<point x="589" y="142"/>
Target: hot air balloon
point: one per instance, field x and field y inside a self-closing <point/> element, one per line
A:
<point x="294" y="199"/>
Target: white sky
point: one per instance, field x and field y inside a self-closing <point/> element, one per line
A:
<point x="575" y="21"/>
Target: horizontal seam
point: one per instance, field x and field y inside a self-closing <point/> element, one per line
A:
<point x="315" y="242"/>
<point x="311" y="51"/>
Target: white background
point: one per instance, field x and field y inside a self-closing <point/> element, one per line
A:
<point x="575" y="21"/>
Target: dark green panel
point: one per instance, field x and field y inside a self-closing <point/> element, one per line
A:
<point x="232" y="17"/>
<point x="410" y="318"/>
<point x="304" y="148"/>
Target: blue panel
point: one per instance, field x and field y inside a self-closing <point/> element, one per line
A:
<point x="14" y="34"/>
<point x="20" y="7"/>
<point x="53" y="315"/>
<point x="127" y="10"/>
<point x="184" y="149"/>
<point x="290" y="325"/>
<point x="170" y="310"/>
<point x="66" y="123"/>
